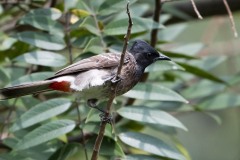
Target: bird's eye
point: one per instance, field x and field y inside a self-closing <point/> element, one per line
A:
<point x="149" y="55"/>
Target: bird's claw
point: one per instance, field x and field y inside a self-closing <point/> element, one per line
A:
<point x="116" y="79"/>
<point x="104" y="118"/>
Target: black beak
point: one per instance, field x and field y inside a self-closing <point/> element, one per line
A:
<point x="162" y="57"/>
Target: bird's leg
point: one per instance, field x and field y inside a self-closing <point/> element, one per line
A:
<point x="93" y="104"/>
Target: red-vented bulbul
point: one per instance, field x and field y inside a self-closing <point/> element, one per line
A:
<point x="91" y="78"/>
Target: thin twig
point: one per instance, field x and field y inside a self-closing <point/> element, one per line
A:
<point x="196" y="10"/>
<point x="164" y="1"/>
<point x="82" y="134"/>
<point x="7" y="119"/>
<point x="100" y="136"/>
<point x="231" y="18"/>
<point x="67" y="19"/>
<point x="68" y="16"/>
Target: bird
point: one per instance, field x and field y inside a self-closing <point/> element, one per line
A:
<point x="91" y="78"/>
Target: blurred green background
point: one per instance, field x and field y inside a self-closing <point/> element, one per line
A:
<point x="205" y="72"/>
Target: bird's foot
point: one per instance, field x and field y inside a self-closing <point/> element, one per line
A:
<point x="107" y="119"/>
<point x="93" y="104"/>
<point x="116" y="79"/>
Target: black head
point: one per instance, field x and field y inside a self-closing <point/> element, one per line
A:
<point x="145" y="54"/>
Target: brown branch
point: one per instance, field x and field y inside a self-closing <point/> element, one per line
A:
<point x="113" y="88"/>
<point x="196" y="10"/>
<point x="156" y="16"/>
<point x="231" y="18"/>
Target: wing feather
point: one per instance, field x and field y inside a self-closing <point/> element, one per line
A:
<point x="105" y="60"/>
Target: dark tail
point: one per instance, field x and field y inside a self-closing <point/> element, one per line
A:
<point x="24" y="89"/>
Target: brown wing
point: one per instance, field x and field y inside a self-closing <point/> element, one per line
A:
<point x="105" y="60"/>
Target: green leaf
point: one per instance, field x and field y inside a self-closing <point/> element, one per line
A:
<point x="90" y="25"/>
<point x="6" y="42"/>
<point x="119" y="27"/>
<point x="94" y="128"/>
<point x="215" y="117"/>
<point x="163" y="66"/>
<point x="210" y="62"/>
<point x="164" y="18"/>
<point x="4" y="77"/>
<point x="10" y="142"/>
<point x="177" y="55"/>
<point x="7" y="156"/>
<point x="150" y="144"/>
<point x="139" y="157"/>
<point x="149" y="115"/>
<point x="41" y="112"/>
<point x="43" y="151"/>
<point x="184" y="51"/>
<point x="45" y="133"/>
<point x="81" y="42"/>
<point x="94" y="45"/>
<point x="44" y="23"/>
<point x="32" y="77"/>
<point x="52" y="13"/>
<point x="41" y="40"/>
<point x="156" y="92"/>
<point x="15" y="50"/>
<point x="189" y="50"/>
<point x="198" y="89"/>
<point x="109" y="147"/>
<point x="224" y="100"/>
<point x="171" y="32"/>
<point x="113" y="6"/>
<point x="29" y="102"/>
<point x="137" y="10"/>
<point x="44" y="58"/>
<point x="92" y="116"/>
<point x="65" y="152"/>
<point x="69" y="4"/>
<point x="199" y="72"/>
<point x="234" y="80"/>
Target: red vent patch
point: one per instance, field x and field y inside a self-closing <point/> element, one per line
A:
<point x="61" y="86"/>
